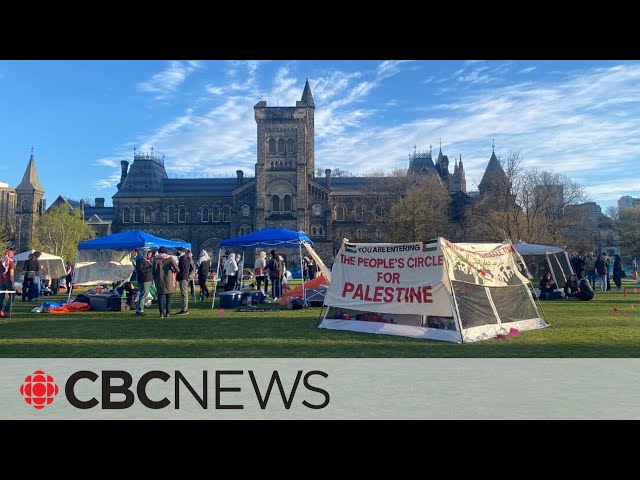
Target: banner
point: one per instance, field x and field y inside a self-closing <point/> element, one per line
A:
<point x="94" y="267"/>
<point x="390" y="278"/>
<point x="491" y="265"/>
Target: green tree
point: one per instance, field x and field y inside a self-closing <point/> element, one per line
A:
<point x="421" y="213"/>
<point x="59" y="231"/>
<point x="5" y="239"/>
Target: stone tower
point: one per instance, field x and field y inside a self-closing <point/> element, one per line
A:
<point x="30" y="205"/>
<point x="285" y="163"/>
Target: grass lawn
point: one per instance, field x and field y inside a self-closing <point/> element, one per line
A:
<point x="577" y="329"/>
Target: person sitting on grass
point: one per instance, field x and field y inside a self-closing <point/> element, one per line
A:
<point x="547" y="287"/>
<point x="585" y="292"/>
<point x="571" y="288"/>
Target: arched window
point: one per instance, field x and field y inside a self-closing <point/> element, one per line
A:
<point x="378" y="233"/>
<point x="244" y="230"/>
<point x="275" y="203"/>
<point x="316" y="210"/>
<point x="126" y="215"/>
<point x="137" y="215"/>
<point x="24" y="206"/>
<point x="147" y="215"/>
<point x="226" y="213"/>
<point x="379" y="212"/>
<point x="171" y="214"/>
<point x="245" y="210"/>
<point x="317" y="231"/>
<point x="205" y="214"/>
<point x="287" y="203"/>
<point x="216" y="214"/>
<point x="359" y="233"/>
<point x="272" y="146"/>
<point x="182" y="214"/>
<point x="340" y="213"/>
<point x="290" y="146"/>
<point x="359" y="213"/>
<point x="281" y="146"/>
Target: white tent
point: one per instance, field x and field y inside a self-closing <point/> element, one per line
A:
<point x="53" y="264"/>
<point x="542" y="259"/>
<point x="439" y="290"/>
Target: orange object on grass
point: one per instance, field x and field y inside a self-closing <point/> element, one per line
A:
<point x="71" y="307"/>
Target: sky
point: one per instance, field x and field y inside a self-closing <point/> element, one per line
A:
<point x="578" y="117"/>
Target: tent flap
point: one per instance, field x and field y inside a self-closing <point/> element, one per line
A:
<point x="130" y="240"/>
<point x="269" y="237"/>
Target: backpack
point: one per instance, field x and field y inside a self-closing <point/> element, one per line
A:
<point x="274" y="272"/>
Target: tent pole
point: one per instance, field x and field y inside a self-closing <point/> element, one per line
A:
<point x="304" y="295"/>
<point x="215" y="283"/>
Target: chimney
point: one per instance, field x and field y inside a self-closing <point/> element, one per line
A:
<point x="82" y="209"/>
<point x="99" y="202"/>
<point x="240" y="174"/>
<point x="327" y="177"/>
<point x="124" y="165"/>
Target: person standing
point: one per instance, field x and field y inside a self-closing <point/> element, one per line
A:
<point x="607" y="264"/>
<point x="144" y="276"/>
<point x="617" y="271"/>
<point x="260" y="272"/>
<point x="37" y="282"/>
<point x="275" y="275"/>
<point x="203" y="267"/>
<point x="590" y="269"/>
<point x="601" y="272"/>
<point x="30" y="266"/>
<point x="7" y="277"/>
<point x="230" y="270"/>
<point x="184" y="268"/>
<point x="69" y="277"/>
<point x="578" y="264"/>
<point x="164" y="268"/>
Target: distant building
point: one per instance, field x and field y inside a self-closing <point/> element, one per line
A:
<point x="20" y="207"/>
<point x="628" y="202"/>
<point x="97" y="216"/>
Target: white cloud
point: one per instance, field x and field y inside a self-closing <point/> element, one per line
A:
<point x="214" y="90"/>
<point x="389" y="68"/>
<point x="163" y="83"/>
<point x="527" y="70"/>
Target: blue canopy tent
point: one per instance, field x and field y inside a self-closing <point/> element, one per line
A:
<point x="107" y="259"/>
<point x="131" y="240"/>
<point x="267" y="238"/>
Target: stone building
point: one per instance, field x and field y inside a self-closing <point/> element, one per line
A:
<point x="284" y="192"/>
<point x="97" y="216"/>
<point x="20" y="207"/>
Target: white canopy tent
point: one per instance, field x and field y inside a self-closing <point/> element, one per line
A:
<point x="460" y="292"/>
<point x="53" y="264"/>
<point x="542" y="259"/>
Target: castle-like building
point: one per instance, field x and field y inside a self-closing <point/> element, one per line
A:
<point x="283" y="193"/>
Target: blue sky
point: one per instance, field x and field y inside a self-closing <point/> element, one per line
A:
<point x="581" y="118"/>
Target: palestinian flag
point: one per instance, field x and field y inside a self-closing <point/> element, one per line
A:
<point x="350" y="248"/>
<point x="429" y="247"/>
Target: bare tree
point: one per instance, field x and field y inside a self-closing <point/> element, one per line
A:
<point x="421" y="213"/>
<point x="627" y="226"/>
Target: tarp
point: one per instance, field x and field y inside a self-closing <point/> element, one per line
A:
<point x="130" y="240"/>
<point x="439" y="290"/>
<point x="53" y="264"/>
<point x="269" y="237"/>
<point x="524" y="248"/>
<point x="107" y="259"/>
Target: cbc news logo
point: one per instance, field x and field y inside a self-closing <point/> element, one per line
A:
<point x="39" y="389"/>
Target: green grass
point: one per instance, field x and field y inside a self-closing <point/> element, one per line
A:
<point x="577" y="329"/>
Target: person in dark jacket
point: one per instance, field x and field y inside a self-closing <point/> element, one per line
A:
<point x="547" y="287"/>
<point x="601" y="271"/>
<point x="571" y="288"/>
<point x="578" y="264"/>
<point x="617" y="271"/>
<point x="203" y="266"/>
<point x="31" y="266"/>
<point x="586" y="292"/>
<point x="184" y="269"/>
<point x="164" y="268"/>
<point x="144" y="276"/>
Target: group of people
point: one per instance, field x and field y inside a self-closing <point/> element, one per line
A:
<point x="573" y="288"/>
<point x="273" y="269"/>
<point x="162" y="270"/>
<point x="597" y="269"/>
